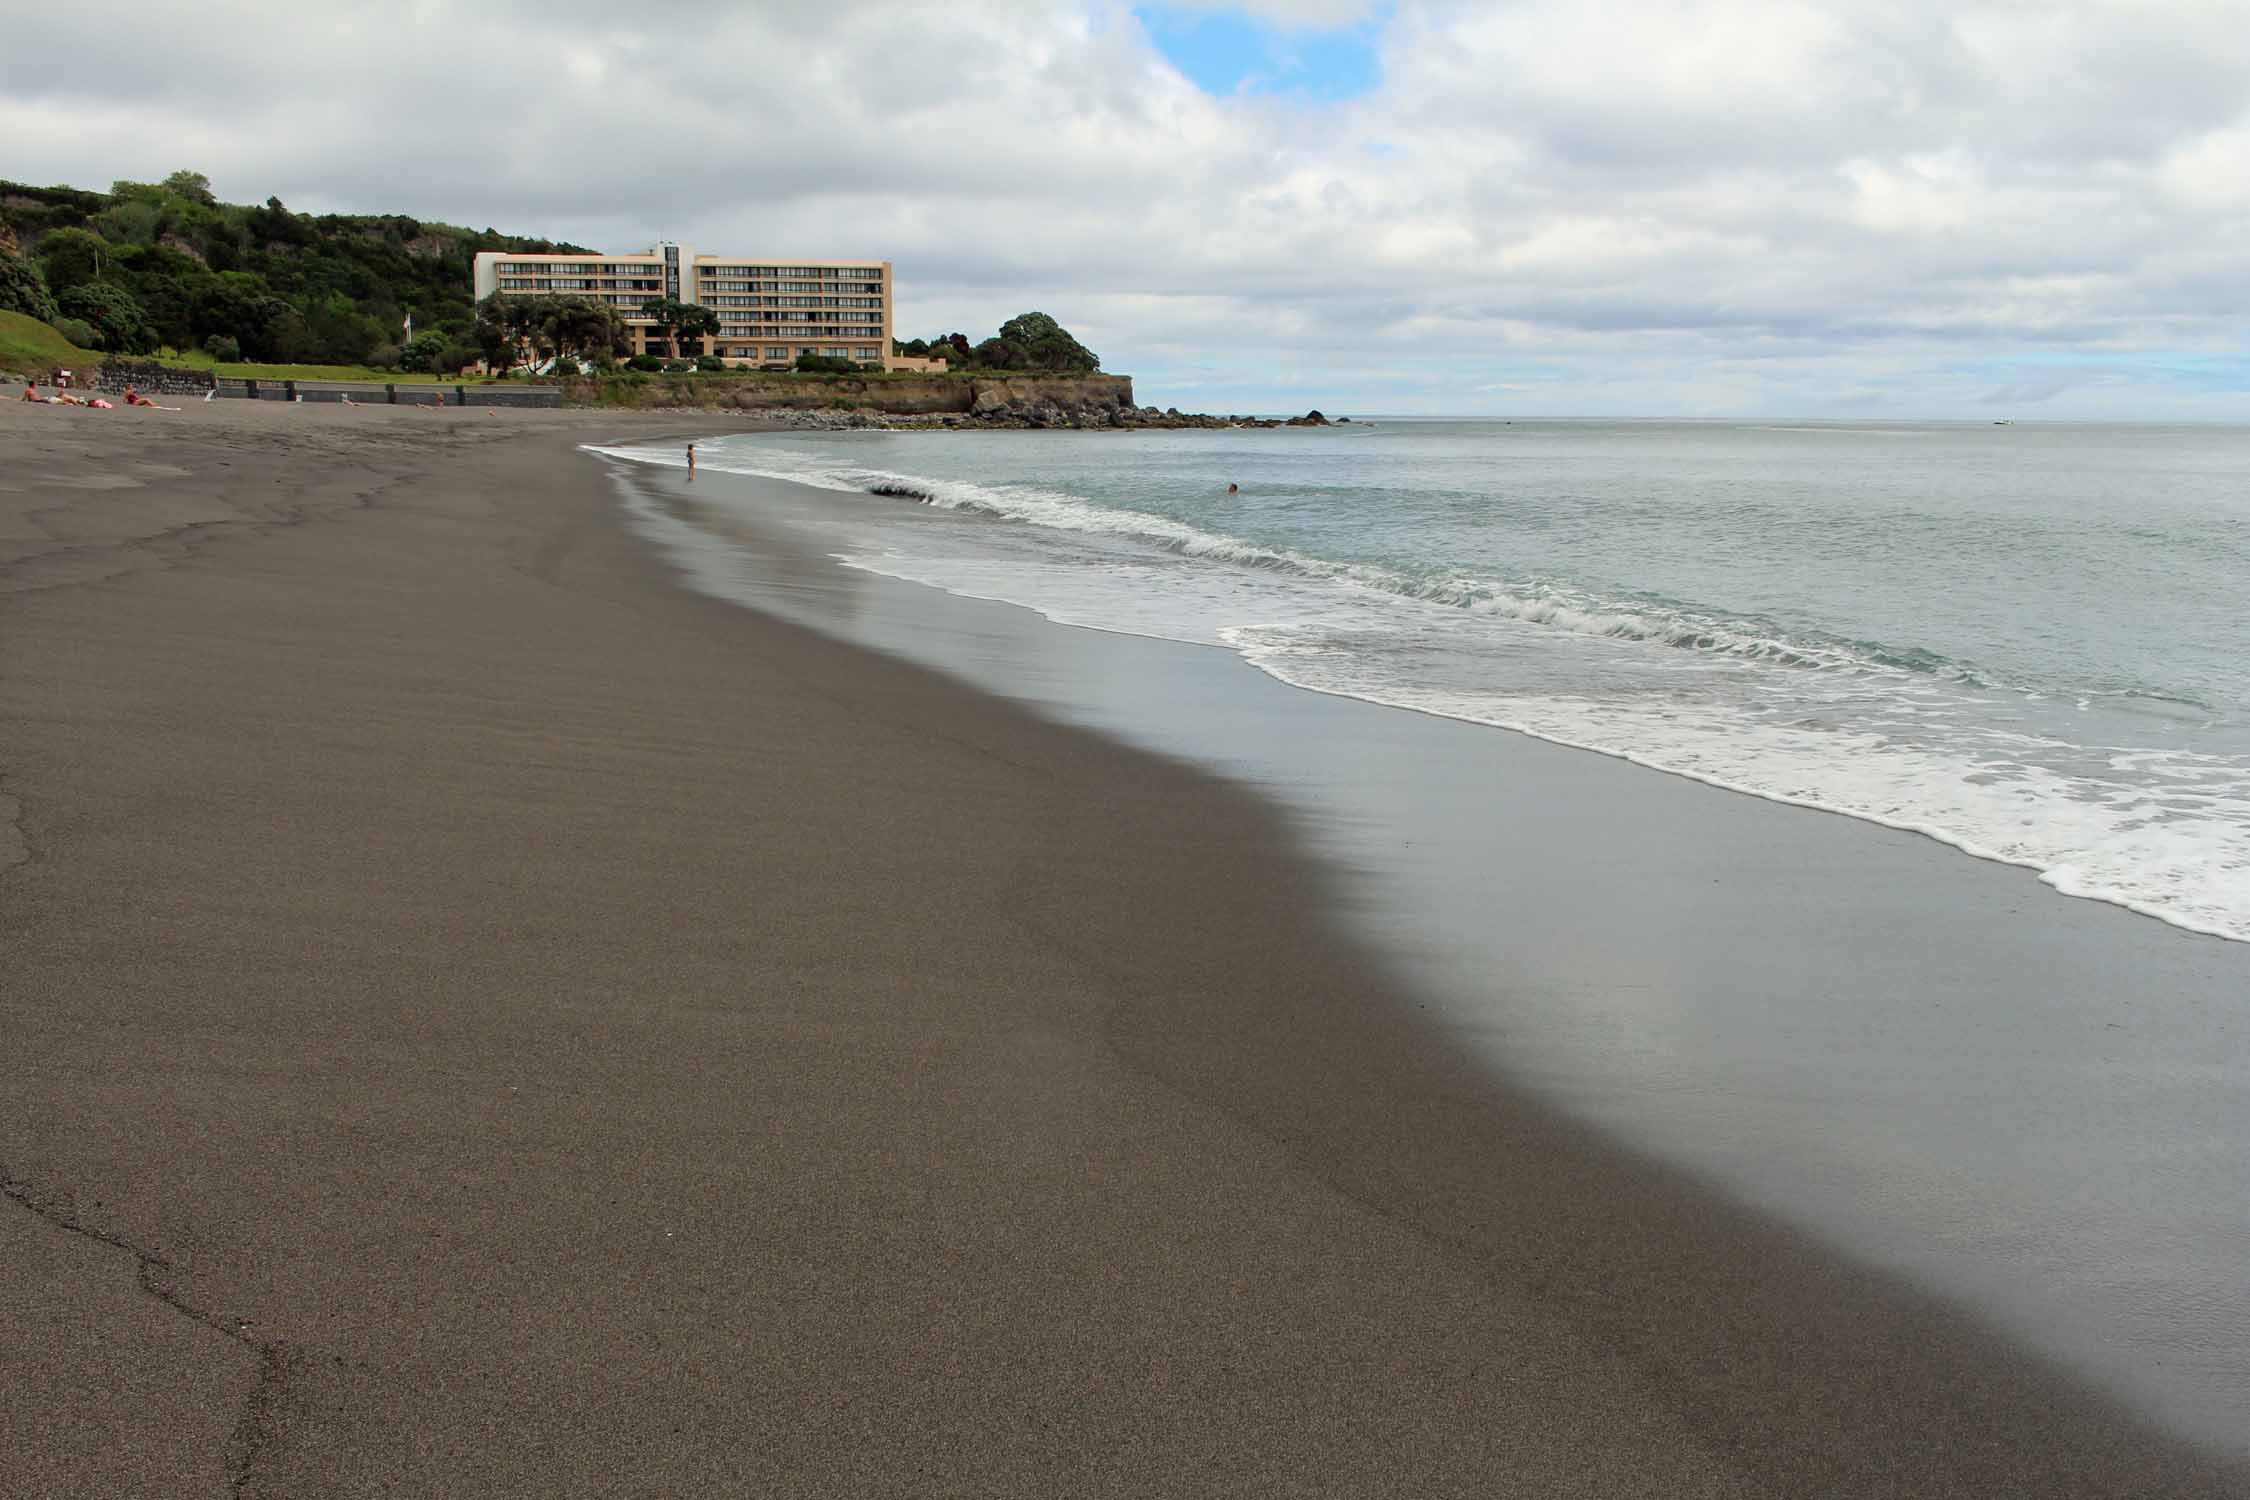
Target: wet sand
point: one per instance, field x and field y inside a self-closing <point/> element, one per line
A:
<point x="483" y="1019"/>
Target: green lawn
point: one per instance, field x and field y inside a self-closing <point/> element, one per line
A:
<point x="28" y="344"/>
<point x="196" y="359"/>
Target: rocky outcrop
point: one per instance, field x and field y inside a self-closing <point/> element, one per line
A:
<point x="896" y="400"/>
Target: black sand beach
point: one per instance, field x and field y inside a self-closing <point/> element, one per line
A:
<point x="482" y="1019"/>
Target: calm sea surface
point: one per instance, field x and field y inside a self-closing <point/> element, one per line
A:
<point x="2028" y="641"/>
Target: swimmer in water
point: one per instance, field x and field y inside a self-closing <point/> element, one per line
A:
<point x="1234" y="489"/>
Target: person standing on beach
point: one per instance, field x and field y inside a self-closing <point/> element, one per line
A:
<point x="691" y="460"/>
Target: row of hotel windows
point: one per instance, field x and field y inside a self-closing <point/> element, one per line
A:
<point x="717" y="284"/>
<point x="787" y="333"/>
<point x="650" y="268"/>
<point x="793" y="302"/>
<point x="572" y="284"/>
<point x="839" y="330"/>
<point x="833" y="273"/>
<point x="780" y="351"/>
<point x="631" y="304"/>
<point x="558" y="268"/>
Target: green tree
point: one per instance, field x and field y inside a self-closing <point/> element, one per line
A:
<point x="190" y="185"/>
<point x="424" y="351"/>
<point x="664" y="313"/>
<point x="115" y="314"/>
<point x="77" y="333"/>
<point x="223" y="349"/>
<point x="680" y="322"/>
<point x="242" y="307"/>
<point x="496" y="331"/>
<point x="1047" y="345"/>
<point x="699" y="324"/>
<point x="73" y="257"/>
<point x="227" y="306"/>
<point x="132" y="222"/>
<point x="23" y="288"/>
<point x="340" y="333"/>
<point x="578" y="325"/>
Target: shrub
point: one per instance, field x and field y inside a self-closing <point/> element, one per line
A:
<point x="825" y="364"/>
<point x="710" y="364"/>
<point x="425" y="352"/>
<point x="115" y="315"/>
<point x="383" y="357"/>
<point x="78" y="331"/>
<point x="678" y="367"/>
<point x="644" y="362"/>
<point x="224" y="348"/>
<point x="23" y="288"/>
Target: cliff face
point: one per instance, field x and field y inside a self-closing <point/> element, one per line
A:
<point x="1084" y="399"/>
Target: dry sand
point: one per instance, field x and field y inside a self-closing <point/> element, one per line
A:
<point x="480" y="1019"/>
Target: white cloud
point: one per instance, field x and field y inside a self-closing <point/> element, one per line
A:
<point x="1709" y="206"/>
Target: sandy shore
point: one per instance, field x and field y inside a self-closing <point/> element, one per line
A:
<point x="484" y="1020"/>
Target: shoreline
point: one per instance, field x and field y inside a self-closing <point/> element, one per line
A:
<point x="1728" y="997"/>
<point x="2058" y="871"/>
<point x="575" y="1022"/>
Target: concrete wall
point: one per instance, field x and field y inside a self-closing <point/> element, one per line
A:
<point x="371" y="394"/>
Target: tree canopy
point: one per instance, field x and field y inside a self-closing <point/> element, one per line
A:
<point x="681" y="323"/>
<point x="328" y="288"/>
<point x="113" y="313"/>
<point x="23" y="287"/>
<point x="1029" y="341"/>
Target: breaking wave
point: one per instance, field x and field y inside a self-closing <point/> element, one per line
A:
<point x="1532" y="602"/>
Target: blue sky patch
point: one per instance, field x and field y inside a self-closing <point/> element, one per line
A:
<point x="1226" y="52"/>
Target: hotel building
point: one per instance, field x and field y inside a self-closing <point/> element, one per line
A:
<point x="769" y="313"/>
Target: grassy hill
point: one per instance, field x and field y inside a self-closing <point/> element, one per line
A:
<point x="155" y="265"/>
<point x="26" y="344"/>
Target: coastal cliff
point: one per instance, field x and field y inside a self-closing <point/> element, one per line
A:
<point x="1077" y="400"/>
<point x="1099" y="401"/>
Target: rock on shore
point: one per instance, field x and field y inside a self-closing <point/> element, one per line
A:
<point x="1000" y="401"/>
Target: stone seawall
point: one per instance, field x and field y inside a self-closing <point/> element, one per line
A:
<point x="152" y="378"/>
<point x="368" y="393"/>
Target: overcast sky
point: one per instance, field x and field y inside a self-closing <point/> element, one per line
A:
<point x="1556" y="207"/>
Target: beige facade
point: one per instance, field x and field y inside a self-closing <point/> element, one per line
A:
<point x="770" y="311"/>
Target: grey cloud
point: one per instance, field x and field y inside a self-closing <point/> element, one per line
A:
<point x="1636" y="191"/>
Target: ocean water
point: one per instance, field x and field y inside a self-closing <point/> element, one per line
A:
<point x="2028" y="1104"/>
<point x="2029" y="641"/>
